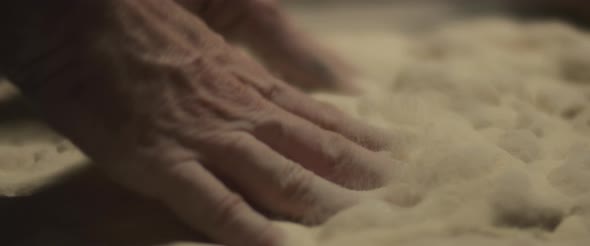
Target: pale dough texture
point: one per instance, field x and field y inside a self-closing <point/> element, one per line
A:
<point x="492" y="123"/>
<point x="492" y="120"/>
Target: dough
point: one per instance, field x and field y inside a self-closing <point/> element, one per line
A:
<point x="493" y="119"/>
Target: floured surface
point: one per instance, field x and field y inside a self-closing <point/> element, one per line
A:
<point x="492" y="119"/>
<point x="31" y="155"/>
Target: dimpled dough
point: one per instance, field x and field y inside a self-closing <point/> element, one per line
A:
<point x="492" y="122"/>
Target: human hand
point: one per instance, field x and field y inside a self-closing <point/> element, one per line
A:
<point x="263" y="27"/>
<point x="170" y="110"/>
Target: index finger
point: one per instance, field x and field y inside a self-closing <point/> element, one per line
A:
<point x="276" y="183"/>
<point x="328" y="117"/>
<point x="207" y="205"/>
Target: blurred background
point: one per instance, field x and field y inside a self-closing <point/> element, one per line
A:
<point x="414" y="13"/>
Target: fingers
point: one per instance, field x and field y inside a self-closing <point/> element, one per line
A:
<point x="328" y="117"/>
<point x="274" y="182"/>
<point x="208" y="206"/>
<point x="264" y="28"/>
<point x="326" y="153"/>
<point x="293" y="54"/>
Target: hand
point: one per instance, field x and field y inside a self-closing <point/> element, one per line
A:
<point x="170" y="110"/>
<point x="264" y="28"/>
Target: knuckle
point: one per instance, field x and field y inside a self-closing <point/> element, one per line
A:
<point x="274" y="91"/>
<point x="240" y="95"/>
<point x="297" y="182"/>
<point x="236" y="141"/>
<point x="257" y="106"/>
<point x="271" y="127"/>
<point x="333" y="147"/>
<point x="228" y="209"/>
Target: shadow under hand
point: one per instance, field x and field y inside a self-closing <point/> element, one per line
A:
<point x="13" y="106"/>
<point x="88" y="209"/>
<point x="16" y="109"/>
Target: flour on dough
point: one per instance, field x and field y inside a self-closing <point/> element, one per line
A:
<point x="494" y="125"/>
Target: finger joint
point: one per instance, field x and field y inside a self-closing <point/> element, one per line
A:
<point x="228" y="209"/>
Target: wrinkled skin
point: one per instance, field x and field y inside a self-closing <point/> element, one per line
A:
<point x="169" y="109"/>
<point x="263" y="27"/>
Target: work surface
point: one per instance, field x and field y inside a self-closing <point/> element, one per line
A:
<point x="491" y="117"/>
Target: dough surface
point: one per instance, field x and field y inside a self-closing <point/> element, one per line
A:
<point x="492" y="123"/>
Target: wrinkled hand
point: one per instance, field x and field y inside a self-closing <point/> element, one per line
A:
<point x="170" y="110"/>
<point x="261" y="26"/>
